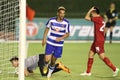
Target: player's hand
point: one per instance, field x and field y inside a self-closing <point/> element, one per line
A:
<point x="92" y="9"/>
<point x="110" y="20"/>
<point x="43" y="42"/>
<point x="58" y="39"/>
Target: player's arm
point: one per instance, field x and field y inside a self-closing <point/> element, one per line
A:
<point x="88" y="17"/>
<point x="63" y="37"/>
<point x="26" y="72"/>
<point x="45" y="35"/>
<point x="105" y="17"/>
<point x="115" y="18"/>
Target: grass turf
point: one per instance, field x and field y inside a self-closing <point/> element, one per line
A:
<point x="75" y="57"/>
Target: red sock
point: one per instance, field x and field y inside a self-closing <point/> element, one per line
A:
<point x="89" y="65"/>
<point x="109" y="63"/>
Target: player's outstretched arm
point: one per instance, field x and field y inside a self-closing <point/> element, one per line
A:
<point x="87" y="17"/>
<point x="44" y="37"/>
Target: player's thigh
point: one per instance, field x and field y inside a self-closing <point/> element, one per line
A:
<point x="99" y="48"/>
<point x="92" y="51"/>
<point x="48" y="52"/>
<point x="58" y="52"/>
<point x="111" y="28"/>
<point x="106" y="29"/>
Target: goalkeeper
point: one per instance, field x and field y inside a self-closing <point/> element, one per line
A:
<point x="31" y="63"/>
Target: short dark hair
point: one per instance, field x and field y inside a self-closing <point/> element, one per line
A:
<point x="14" y="58"/>
<point x="61" y="8"/>
<point x="97" y="10"/>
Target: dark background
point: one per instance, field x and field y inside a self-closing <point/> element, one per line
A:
<point x="74" y="8"/>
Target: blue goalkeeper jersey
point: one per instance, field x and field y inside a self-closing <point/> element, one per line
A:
<point x="57" y="29"/>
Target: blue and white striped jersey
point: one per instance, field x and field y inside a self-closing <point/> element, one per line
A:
<point x="57" y="29"/>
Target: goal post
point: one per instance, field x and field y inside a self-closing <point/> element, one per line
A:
<point x="22" y="38"/>
<point x="12" y="38"/>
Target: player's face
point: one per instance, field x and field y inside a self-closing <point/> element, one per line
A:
<point x="112" y="6"/>
<point x="61" y="14"/>
<point x="93" y="14"/>
<point x="15" y="63"/>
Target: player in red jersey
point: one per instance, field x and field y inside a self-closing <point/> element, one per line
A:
<point x="98" y="43"/>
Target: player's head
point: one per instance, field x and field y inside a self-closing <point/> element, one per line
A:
<point x="95" y="12"/>
<point x="112" y="5"/>
<point x="61" y="12"/>
<point x="14" y="61"/>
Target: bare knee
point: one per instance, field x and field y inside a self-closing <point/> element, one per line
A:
<point x="91" y="54"/>
<point x="47" y="58"/>
<point x="102" y="56"/>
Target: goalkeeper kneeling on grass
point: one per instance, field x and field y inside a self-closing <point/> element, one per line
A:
<point x="31" y="63"/>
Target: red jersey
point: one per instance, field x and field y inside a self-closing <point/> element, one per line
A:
<point x="99" y="25"/>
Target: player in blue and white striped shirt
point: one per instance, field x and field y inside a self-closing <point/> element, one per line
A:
<point x="58" y="28"/>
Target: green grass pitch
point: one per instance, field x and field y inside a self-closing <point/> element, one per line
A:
<point x="75" y="57"/>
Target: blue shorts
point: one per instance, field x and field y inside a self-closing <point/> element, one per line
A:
<point x="55" y="50"/>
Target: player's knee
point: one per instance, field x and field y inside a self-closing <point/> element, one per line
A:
<point x="101" y="56"/>
<point x="91" y="54"/>
<point x="47" y="58"/>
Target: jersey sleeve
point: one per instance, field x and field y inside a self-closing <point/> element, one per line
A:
<point x="93" y="19"/>
<point x="68" y="28"/>
<point x="48" y="24"/>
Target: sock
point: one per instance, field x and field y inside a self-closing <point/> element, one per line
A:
<point x="109" y="63"/>
<point x="51" y="69"/>
<point x="89" y="65"/>
<point x="111" y="35"/>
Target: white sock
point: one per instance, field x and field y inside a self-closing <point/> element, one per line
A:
<point x="51" y="69"/>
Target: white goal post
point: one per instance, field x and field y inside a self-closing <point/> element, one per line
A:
<point x="12" y="38"/>
<point x="22" y="38"/>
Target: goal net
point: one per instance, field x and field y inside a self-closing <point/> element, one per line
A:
<point x="9" y="37"/>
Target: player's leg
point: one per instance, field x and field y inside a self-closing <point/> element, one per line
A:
<point x="107" y="26"/>
<point x="107" y="61"/>
<point x="59" y="66"/>
<point x="41" y="64"/>
<point x="90" y="61"/>
<point x="62" y="67"/>
<point x="48" y="55"/>
<point x="111" y="33"/>
<point x="57" y="54"/>
<point x="51" y="66"/>
<point x="100" y="51"/>
<point x="46" y="63"/>
<point x="106" y="30"/>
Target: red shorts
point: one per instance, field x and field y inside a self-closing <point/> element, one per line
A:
<point x="97" y="47"/>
